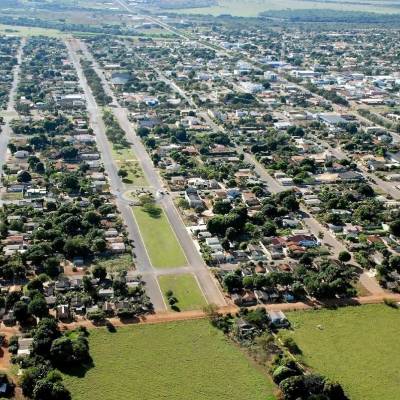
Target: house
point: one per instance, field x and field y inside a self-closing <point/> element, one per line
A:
<point x="278" y="319"/>
<point x="9" y="319"/>
<point x="249" y="299"/>
<point x="261" y="296"/>
<point x="63" y="311"/>
<point x="303" y="240"/>
<point x="193" y="198"/>
<point x="250" y="199"/>
<point x="244" y="328"/>
<point x="24" y="346"/>
<point x="106" y="293"/>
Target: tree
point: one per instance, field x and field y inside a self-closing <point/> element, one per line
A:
<point x="248" y="282"/>
<point x="123" y="173"/>
<point x="221" y="207"/>
<point x="334" y="390"/>
<point x="395" y="227"/>
<point x="30" y="377"/>
<point x="76" y="246"/>
<point x="61" y="351"/>
<point x="293" y="388"/>
<point x="282" y="373"/>
<point x="46" y="331"/>
<point x="51" y="267"/>
<point x="290" y="203"/>
<point x="92" y="217"/>
<point x="232" y="281"/>
<point x="99" y="272"/>
<point x="48" y="390"/>
<point x="21" y="311"/>
<point x="344" y="256"/>
<point x="99" y="245"/>
<point x="24" y="177"/>
<point x="35" y="284"/>
<point x="38" y="307"/>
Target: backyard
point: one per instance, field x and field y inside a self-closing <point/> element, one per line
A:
<point x="358" y="346"/>
<point x="185" y="360"/>
<point x="185" y="289"/>
<point x="161" y="243"/>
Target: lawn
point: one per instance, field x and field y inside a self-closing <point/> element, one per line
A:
<point x="358" y="346"/>
<point x="185" y="289"/>
<point x="161" y="243"/>
<point x="175" y="361"/>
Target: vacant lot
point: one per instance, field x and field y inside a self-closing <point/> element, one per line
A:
<point x="186" y="360"/>
<point x="161" y="243"/>
<point x="358" y="346"/>
<point x="185" y="289"/>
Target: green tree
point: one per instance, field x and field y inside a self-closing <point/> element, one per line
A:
<point x="99" y="272"/>
<point x="344" y="256"/>
<point x="38" y="307"/>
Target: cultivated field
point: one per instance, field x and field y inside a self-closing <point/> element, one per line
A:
<point x="358" y="346"/>
<point x="161" y="243"/>
<point x="251" y="8"/>
<point x="185" y="289"/>
<point x="186" y="360"/>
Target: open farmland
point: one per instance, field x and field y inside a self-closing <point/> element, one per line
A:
<point x="358" y="346"/>
<point x="251" y="8"/>
<point x="186" y="360"/>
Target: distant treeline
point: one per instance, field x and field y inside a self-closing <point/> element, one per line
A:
<point x="333" y="16"/>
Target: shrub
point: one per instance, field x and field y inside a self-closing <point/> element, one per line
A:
<point x="291" y="345"/>
<point x="282" y="373"/>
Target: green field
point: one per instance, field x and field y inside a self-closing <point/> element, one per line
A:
<point x="123" y="153"/>
<point x="126" y="159"/>
<point x="358" y="346"/>
<point x="30" y="31"/>
<point x="186" y="290"/>
<point x="251" y="8"/>
<point x="175" y="361"/>
<point x="161" y="243"/>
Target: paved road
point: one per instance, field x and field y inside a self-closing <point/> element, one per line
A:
<point x="6" y="130"/>
<point x="194" y="259"/>
<point x="314" y="226"/>
<point x="142" y="261"/>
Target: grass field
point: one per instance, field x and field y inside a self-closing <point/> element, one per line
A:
<point x="186" y="290"/>
<point x="175" y="361"/>
<point x="358" y="346"/>
<point x="30" y="31"/>
<point x="125" y="159"/>
<point x="161" y="243"/>
<point x="251" y="8"/>
<point x="122" y="153"/>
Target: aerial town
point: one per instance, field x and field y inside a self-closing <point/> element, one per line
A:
<point x="199" y="200"/>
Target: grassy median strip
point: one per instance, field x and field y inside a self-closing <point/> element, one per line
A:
<point x="185" y="289"/>
<point x="175" y="361"/>
<point x="161" y="243"/>
<point x="357" y="346"/>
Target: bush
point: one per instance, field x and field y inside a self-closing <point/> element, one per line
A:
<point x="96" y="316"/>
<point x="291" y="345"/>
<point x="282" y="373"/>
